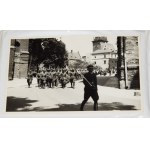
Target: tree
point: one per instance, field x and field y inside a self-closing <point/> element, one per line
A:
<point x="49" y="51"/>
<point x="36" y="52"/>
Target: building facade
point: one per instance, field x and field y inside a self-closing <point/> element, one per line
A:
<point x="73" y="57"/>
<point x="19" y="58"/>
<point x="128" y="62"/>
<point x="103" y="52"/>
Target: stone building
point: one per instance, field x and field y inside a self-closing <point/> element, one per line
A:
<point x="73" y="57"/>
<point x="11" y="60"/>
<point x="19" y="57"/>
<point x="103" y="52"/>
<point x="128" y="62"/>
<point x="87" y="58"/>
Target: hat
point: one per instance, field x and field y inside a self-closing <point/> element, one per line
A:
<point x="90" y="66"/>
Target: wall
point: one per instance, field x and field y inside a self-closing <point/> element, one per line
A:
<point x="128" y="62"/>
<point x="11" y="63"/>
<point x="21" y="59"/>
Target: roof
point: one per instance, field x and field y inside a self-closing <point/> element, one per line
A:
<point x="74" y="55"/>
<point x="102" y="39"/>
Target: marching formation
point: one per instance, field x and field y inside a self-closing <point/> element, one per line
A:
<point x="53" y="77"/>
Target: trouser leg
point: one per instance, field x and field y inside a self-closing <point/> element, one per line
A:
<point x="28" y="82"/>
<point x="38" y="82"/>
<point x="95" y="97"/>
<point x="41" y="83"/>
<point x="47" y="82"/>
<point x="86" y="97"/>
<point x="73" y="84"/>
<point x="82" y="104"/>
<point x="56" y="83"/>
<point x="95" y="106"/>
<point x="50" y="84"/>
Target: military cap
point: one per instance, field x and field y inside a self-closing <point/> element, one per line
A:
<point x="90" y="66"/>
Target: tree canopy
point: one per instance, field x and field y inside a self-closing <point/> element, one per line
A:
<point x="47" y="51"/>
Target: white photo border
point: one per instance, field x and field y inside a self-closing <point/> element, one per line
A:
<point x="5" y="38"/>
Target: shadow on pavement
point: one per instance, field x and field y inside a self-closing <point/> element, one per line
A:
<point x="14" y="103"/>
<point x="23" y="104"/>
<point x="88" y="107"/>
<point x="115" y="106"/>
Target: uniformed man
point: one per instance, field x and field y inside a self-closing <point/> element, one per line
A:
<point x="64" y="78"/>
<point x="49" y="78"/>
<point x="38" y="76"/>
<point x="72" y="79"/>
<point x="90" y="90"/>
<point x="43" y="79"/>
<point x="55" y="79"/>
<point x="29" y="78"/>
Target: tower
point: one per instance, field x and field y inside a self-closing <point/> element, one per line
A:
<point x="103" y="51"/>
<point x="97" y="42"/>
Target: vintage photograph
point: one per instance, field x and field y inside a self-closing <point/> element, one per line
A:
<point x="74" y="73"/>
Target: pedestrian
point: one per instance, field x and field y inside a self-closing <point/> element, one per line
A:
<point x="29" y="78"/>
<point x="90" y="90"/>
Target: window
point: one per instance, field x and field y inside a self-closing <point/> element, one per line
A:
<point x="95" y="62"/>
<point x="104" y="61"/>
<point x="95" y="56"/>
<point x="104" y="55"/>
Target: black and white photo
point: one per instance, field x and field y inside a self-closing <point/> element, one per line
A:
<point x="74" y="73"/>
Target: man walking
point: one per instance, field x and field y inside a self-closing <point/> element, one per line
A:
<point x="90" y="90"/>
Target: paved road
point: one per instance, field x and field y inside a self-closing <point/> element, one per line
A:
<point x="22" y="98"/>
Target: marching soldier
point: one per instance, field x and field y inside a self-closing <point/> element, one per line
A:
<point x="90" y="90"/>
<point x="38" y="76"/>
<point x="49" y="78"/>
<point x="43" y="79"/>
<point x="72" y="79"/>
<point x="64" y="78"/>
<point x="29" y="78"/>
<point x="55" y="79"/>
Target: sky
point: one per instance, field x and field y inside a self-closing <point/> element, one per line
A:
<point x="83" y="43"/>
